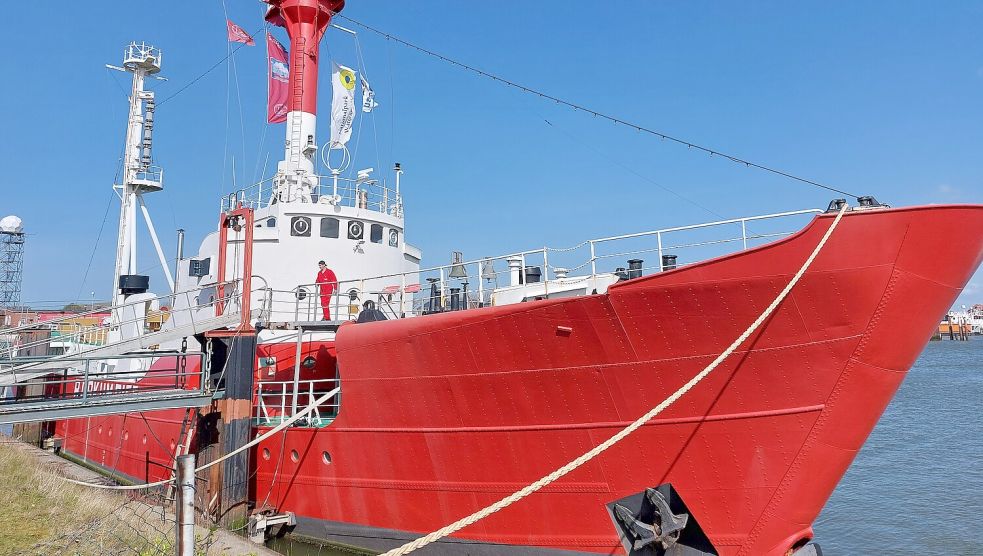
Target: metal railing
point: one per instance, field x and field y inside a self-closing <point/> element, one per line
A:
<point x="88" y="379"/>
<point x="277" y="401"/>
<point x="129" y="319"/>
<point x="585" y="268"/>
<point x="369" y="195"/>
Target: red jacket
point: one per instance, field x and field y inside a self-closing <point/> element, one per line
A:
<point x="326" y="281"/>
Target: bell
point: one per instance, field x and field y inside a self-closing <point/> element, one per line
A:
<point x="458" y="270"/>
<point x="488" y="269"/>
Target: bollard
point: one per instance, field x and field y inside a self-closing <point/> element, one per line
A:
<point x="185" y="526"/>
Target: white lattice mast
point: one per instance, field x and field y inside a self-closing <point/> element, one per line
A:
<point x="140" y="176"/>
<point x="11" y="261"/>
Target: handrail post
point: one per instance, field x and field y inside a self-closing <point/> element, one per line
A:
<point x="593" y="261"/>
<point x="440" y="298"/>
<point x="658" y="236"/>
<point x="85" y="382"/>
<point x="744" y="232"/>
<point x="546" y="273"/>
<point x="297" y="303"/>
<point x="402" y="294"/>
<point x="300" y="344"/>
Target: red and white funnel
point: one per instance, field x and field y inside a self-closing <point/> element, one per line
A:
<point x="305" y="22"/>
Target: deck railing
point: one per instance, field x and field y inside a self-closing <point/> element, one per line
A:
<point x="584" y="268"/>
<point x="197" y="303"/>
<point x="278" y="400"/>
<point x="370" y="195"/>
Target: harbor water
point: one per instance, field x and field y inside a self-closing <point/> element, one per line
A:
<point x="916" y="487"/>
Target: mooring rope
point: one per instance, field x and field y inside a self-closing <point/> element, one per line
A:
<point x="299" y="415"/>
<point x="600" y="448"/>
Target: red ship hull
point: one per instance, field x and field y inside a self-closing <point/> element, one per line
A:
<point x="445" y="414"/>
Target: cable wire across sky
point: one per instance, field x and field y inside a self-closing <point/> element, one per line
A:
<point x="577" y="107"/>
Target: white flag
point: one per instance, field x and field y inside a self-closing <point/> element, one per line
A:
<point x="368" y="96"/>
<point x="342" y="104"/>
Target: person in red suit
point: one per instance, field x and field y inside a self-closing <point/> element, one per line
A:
<point x="326" y="282"/>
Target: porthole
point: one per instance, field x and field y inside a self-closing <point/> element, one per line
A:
<point x="294" y="456"/>
<point x="100" y="429"/>
<point x="109" y="432"/>
<point x="126" y="435"/>
<point x="266" y="453"/>
<point x="355" y="229"/>
<point x="326" y="458"/>
<point x="300" y="226"/>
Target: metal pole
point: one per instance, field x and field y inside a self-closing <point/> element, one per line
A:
<point x="441" y="297"/>
<point x="177" y="259"/>
<point x="593" y="261"/>
<point x="185" y="506"/>
<point x="156" y="242"/>
<point x="85" y="383"/>
<point x="744" y="232"/>
<point x="300" y="343"/>
<point x="546" y="272"/>
<point x="658" y="236"/>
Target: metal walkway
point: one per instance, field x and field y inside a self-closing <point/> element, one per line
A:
<point x="132" y="374"/>
<point x="123" y="402"/>
<point x="13" y="373"/>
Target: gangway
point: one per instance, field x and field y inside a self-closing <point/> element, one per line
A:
<point x="68" y="394"/>
<point x="131" y="371"/>
<point x="132" y="329"/>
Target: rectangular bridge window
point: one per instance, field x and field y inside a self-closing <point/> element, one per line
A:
<point x="329" y="227"/>
<point x="375" y="235"/>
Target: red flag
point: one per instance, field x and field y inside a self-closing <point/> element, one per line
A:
<point x="237" y="34"/>
<point x="276" y="106"/>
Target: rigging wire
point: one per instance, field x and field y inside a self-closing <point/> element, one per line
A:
<point x="581" y="108"/>
<point x="206" y="72"/>
<point x="242" y="124"/>
<point x="628" y="169"/>
<point x="365" y="75"/>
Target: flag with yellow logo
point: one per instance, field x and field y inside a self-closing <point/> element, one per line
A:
<point x="342" y="104"/>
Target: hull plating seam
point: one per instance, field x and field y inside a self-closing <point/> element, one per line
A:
<point x="586" y="426"/>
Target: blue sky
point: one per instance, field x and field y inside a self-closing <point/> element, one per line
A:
<point x="871" y="98"/>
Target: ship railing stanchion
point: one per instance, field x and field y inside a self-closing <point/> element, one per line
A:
<point x="658" y="237"/>
<point x="85" y="383"/>
<point x="593" y="262"/>
<point x="300" y="343"/>
<point x="440" y="298"/>
<point x="402" y="295"/>
<point x="546" y="273"/>
<point x="744" y="232"/>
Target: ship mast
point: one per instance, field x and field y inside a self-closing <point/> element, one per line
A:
<point x="139" y="175"/>
<point x="305" y="22"/>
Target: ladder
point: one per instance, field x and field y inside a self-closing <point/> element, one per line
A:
<point x="296" y="124"/>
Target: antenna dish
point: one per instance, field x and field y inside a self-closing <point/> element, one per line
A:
<point x="11" y="225"/>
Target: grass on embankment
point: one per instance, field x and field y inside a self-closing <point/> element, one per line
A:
<point x="42" y="514"/>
